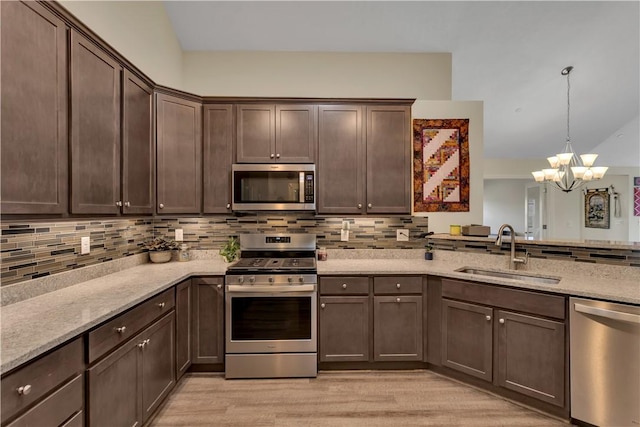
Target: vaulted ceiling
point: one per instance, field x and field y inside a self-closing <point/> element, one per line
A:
<point x="508" y="54"/>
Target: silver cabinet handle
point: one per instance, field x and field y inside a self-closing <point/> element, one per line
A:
<point x="487" y="317"/>
<point x="228" y="205"/>
<point x="161" y="305"/>
<point x="219" y="286"/>
<point x="141" y="345"/>
<point x="369" y="206"/>
<point x="344" y="286"/>
<point x="24" y="390"/>
<point x="277" y="155"/>
<point x="398" y="299"/>
<point x="147" y="341"/>
<point x="121" y="329"/>
<point x="398" y="285"/>
<point x="161" y="206"/>
<point x="118" y="203"/>
<point x="272" y="156"/>
<point x="127" y="204"/>
<point x="501" y="321"/>
<point x="323" y="305"/>
<point x="359" y="205"/>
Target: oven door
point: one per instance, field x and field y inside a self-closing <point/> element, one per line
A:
<point x="271" y="319"/>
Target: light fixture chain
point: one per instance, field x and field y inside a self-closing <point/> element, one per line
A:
<point x="568" y="107"/>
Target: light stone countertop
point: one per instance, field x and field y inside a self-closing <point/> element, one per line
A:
<point x="33" y="326"/>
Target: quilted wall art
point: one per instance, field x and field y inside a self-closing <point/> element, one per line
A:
<point x="441" y="165"/>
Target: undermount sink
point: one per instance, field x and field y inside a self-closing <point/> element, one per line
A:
<point x="522" y="277"/>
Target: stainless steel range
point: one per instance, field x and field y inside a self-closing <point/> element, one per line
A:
<point x="271" y="308"/>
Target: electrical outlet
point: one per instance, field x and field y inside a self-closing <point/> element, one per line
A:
<point x="402" y="235"/>
<point x="85" y="245"/>
<point x="346" y="225"/>
<point x="179" y="235"/>
<point x="344" y="235"/>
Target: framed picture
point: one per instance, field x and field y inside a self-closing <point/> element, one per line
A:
<point x="441" y="165"/>
<point x="596" y="208"/>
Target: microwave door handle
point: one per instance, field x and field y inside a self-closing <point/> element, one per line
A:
<point x="302" y="188"/>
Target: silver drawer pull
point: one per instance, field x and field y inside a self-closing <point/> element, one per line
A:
<point x="359" y="205"/>
<point x="398" y="285"/>
<point x="24" y="390"/>
<point x="501" y="321"/>
<point x="161" y="206"/>
<point x="323" y="305"/>
<point x="118" y="203"/>
<point x="487" y="317"/>
<point x="369" y="206"/>
<point x="141" y="345"/>
<point x="147" y="341"/>
<point x="397" y="299"/>
<point x="344" y="286"/>
<point x="121" y="329"/>
<point x="228" y="205"/>
<point x="127" y="204"/>
<point x="219" y="286"/>
<point x="161" y="305"/>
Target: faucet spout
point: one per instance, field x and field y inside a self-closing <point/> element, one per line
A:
<point x="512" y="255"/>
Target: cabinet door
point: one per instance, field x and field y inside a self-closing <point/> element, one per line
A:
<point x="183" y="327"/>
<point x="296" y="133"/>
<point x="115" y="388"/>
<point x="158" y="363"/>
<point x="341" y="160"/>
<point x="208" y="320"/>
<point x="531" y="356"/>
<point x="137" y="146"/>
<point x="218" y="157"/>
<point x="388" y="159"/>
<point x="179" y="152"/>
<point x="397" y="328"/>
<point x="95" y="129"/>
<point x="344" y="328"/>
<point x="256" y="138"/>
<point x="467" y="338"/>
<point x="34" y="110"/>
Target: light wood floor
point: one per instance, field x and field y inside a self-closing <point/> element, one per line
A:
<point x="354" y="398"/>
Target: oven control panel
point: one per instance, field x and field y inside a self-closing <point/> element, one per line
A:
<point x="271" y="279"/>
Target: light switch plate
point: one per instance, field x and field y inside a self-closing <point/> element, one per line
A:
<point x="344" y="235"/>
<point x="85" y="245"/>
<point x="179" y="235"/>
<point x="402" y="235"/>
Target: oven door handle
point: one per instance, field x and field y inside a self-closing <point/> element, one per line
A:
<point x="271" y="289"/>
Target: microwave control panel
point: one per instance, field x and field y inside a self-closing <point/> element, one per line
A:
<point x="308" y="188"/>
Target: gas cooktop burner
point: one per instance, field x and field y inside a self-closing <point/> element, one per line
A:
<point x="274" y="264"/>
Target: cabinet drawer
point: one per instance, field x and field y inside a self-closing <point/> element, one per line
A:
<point x="344" y="286"/>
<point x="57" y="408"/>
<point x="396" y="285"/>
<point x="512" y="299"/>
<point x="118" y="330"/>
<point x="42" y="376"/>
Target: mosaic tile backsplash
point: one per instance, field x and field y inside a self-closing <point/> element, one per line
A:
<point x="31" y="250"/>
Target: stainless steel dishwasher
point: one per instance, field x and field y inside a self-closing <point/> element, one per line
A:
<point x="605" y="362"/>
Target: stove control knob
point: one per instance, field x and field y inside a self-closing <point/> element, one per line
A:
<point x="301" y="279"/>
<point x="240" y="279"/>
<point x="252" y="279"/>
<point x="270" y="279"/>
<point x="289" y="279"/>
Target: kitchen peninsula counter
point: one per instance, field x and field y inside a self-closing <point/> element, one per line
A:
<point x="35" y="325"/>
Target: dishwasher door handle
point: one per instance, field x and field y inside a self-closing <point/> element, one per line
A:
<point x="609" y="314"/>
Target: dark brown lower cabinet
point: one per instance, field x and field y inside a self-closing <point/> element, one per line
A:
<point x="344" y="329"/>
<point x="208" y="320"/>
<point x="530" y="356"/>
<point x="467" y="338"/>
<point x="183" y="327"/>
<point x="397" y="328"/>
<point x="129" y="384"/>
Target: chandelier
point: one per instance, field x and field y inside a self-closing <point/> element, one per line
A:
<point x="568" y="171"/>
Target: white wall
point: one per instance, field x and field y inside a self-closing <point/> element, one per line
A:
<point x="473" y="110"/>
<point x="318" y="74"/>
<point x="504" y="203"/>
<point x="140" y="31"/>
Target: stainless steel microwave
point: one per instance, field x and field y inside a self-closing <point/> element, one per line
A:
<point x="273" y="187"/>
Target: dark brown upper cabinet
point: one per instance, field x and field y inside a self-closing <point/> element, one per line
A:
<point x="95" y="129"/>
<point x="179" y="155"/>
<point x="268" y="133"/>
<point x="218" y="157"/>
<point x="388" y="159"/>
<point x="341" y="159"/>
<point x="364" y="159"/>
<point x="138" y="151"/>
<point x="34" y="110"/>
